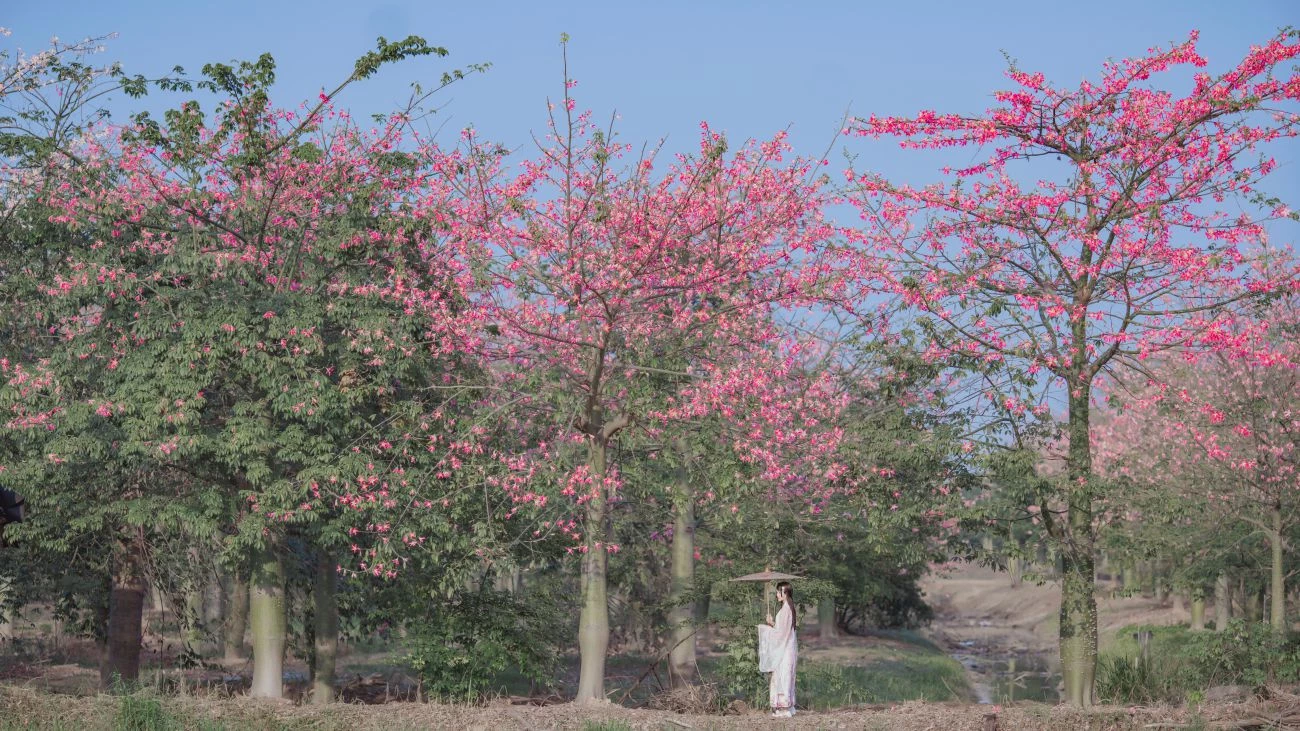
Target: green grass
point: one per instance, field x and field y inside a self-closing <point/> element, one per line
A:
<point x="908" y="666"/>
<point x="937" y="677"/>
<point x="1183" y="664"/>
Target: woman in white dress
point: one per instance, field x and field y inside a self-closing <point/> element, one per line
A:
<point x="785" y="650"/>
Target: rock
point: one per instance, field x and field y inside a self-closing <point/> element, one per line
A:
<point x="1227" y="693"/>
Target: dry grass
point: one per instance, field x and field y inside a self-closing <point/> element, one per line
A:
<point x="22" y="708"/>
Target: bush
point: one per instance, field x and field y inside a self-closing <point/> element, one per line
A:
<point x="1246" y="653"/>
<point x="739" y="668"/>
<point x="461" y="650"/>
<point x="1127" y="681"/>
<point x="1184" y="663"/>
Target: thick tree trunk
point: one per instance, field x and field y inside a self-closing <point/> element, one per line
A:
<point x="826" y="619"/>
<point x="1277" y="581"/>
<point x="1078" y="628"/>
<point x="1222" y="603"/>
<point x="509" y="581"/>
<point x="121" y="662"/>
<point x="681" y="615"/>
<point x="269" y="624"/>
<point x="1147" y="577"/>
<point x="326" y="615"/>
<point x="1198" y="611"/>
<point x="1254" y="607"/>
<point x="236" y="623"/>
<point x="593" y="622"/>
<point x="1078" y="632"/>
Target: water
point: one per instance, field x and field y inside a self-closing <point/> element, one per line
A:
<point x="1003" y="676"/>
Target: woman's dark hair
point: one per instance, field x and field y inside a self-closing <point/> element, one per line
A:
<point x="785" y="588"/>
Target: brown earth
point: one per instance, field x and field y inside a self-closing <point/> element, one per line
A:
<point x="98" y="712"/>
<point x="972" y="604"/>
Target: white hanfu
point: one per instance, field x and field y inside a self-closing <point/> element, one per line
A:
<point x="783" y="645"/>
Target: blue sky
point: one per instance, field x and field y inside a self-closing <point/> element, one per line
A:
<point x="750" y="68"/>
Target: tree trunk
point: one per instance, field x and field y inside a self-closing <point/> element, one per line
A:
<point x="593" y="622"/>
<point x="702" y="619"/>
<point x="1222" y="603"/>
<point x="7" y="615"/>
<point x="236" y="623"/>
<point x="214" y="605"/>
<point x="1254" y="611"/>
<point x="267" y="616"/>
<point x="826" y="619"/>
<point x="1130" y="577"/>
<point x="1078" y="632"/>
<point x="681" y="615"/>
<point x="192" y="619"/>
<point x="121" y="662"/>
<point x="1198" y="611"/>
<point x="1161" y="581"/>
<point x="1016" y="565"/>
<point x="325" y="599"/>
<point x="1277" y="582"/>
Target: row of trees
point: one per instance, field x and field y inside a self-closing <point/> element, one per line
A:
<point x="321" y="351"/>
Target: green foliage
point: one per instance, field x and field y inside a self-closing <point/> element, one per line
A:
<point x="930" y="676"/>
<point x="1125" y="680"/>
<point x="1246" y="653"/>
<point x="465" y="644"/>
<point x="1183" y="664"/>
<point x="142" y="713"/>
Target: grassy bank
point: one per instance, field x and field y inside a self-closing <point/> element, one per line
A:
<point x="1182" y="665"/>
<point x="888" y="667"/>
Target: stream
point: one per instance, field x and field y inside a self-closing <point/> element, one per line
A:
<point x="1001" y="675"/>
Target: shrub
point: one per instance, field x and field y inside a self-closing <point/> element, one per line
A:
<point x="1245" y="653"/>
<point x="1183" y="664"/>
<point x="462" y="648"/>
<point x="1125" y="680"/>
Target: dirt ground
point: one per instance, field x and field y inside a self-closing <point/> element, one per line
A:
<point x="972" y="604"/>
<point x="97" y="712"/>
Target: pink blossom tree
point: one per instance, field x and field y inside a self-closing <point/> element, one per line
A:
<point x="605" y="269"/>
<point x="260" y="303"/>
<point x="1223" y="431"/>
<point x="1102" y="227"/>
